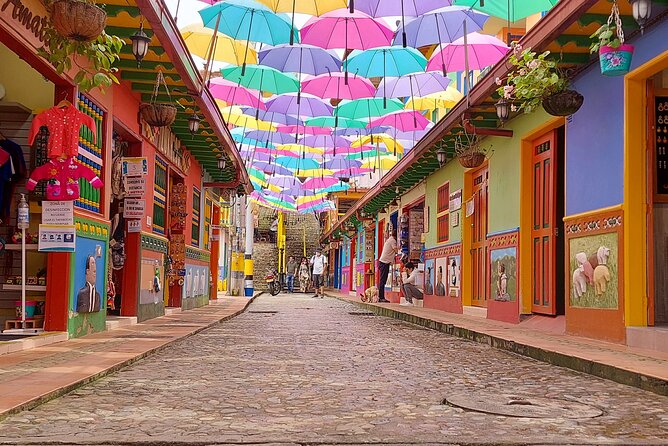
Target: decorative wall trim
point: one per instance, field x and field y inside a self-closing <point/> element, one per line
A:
<point x="443" y="251"/>
<point x="197" y="254"/>
<point x="91" y="228"/>
<point x="594" y="223"/>
<point x="153" y="243"/>
<point x="503" y="239"/>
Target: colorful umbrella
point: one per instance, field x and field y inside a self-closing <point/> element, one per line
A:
<point x="387" y="61"/>
<point x="319" y="183"/>
<point x="443" y="99"/>
<point x="284" y="182"/>
<point x="303" y="130"/>
<point x="512" y="10"/>
<point x="442" y="25"/>
<point x="338" y="86"/>
<point x="367" y="108"/>
<point x="352" y="172"/>
<point x="402" y="120"/>
<point x="232" y="93"/>
<point x="325" y="141"/>
<point x="234" y="116"/>
<point x="340" y="29"/>
<point x="418" y="84"/>
<point x="390" y="143"/>
<point x="299" y="148"/>
<point x="341" y="163"/>
<point x="367" y="154"/>
<point x="301" y="59"/>
<point x="242" y="140"/>
<point x="307" y="105"/>
<point x="271" y="168"/>
<point x="384" y="163"/>
<point x="269" y="136"/>
<point x="297" y="164"/>
<point x="335" y="121"/>
<point x="274" y="118"/>
<point x="483" y="51"/>
<point x="341" y="187"/>
<point x="199" y="39"/>
<point x="346" y="150"/>
<point x="262" y="78"/>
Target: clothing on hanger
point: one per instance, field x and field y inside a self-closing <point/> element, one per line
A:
<point x="62" y="175"/>
<point x="12" y="171"/>
<point x="64" y="124"/>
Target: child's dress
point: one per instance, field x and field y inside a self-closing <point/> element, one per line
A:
<point x="63" y="178"/>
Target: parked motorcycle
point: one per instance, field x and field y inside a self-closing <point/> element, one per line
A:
<point x="273" y="283"/>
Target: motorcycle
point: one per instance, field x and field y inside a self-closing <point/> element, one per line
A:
<point x="273" y="283"/>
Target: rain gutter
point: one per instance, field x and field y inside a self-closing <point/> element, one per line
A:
<point x="163" y="25"/>
<point x="555" y="22"/>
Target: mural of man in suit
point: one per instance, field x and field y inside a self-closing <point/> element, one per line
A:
<point x="88" y="298"/>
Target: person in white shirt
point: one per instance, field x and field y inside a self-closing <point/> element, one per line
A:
<point x="318" y="263"/>
<point x="410" y="289"/>
<point x="384" y="261"/>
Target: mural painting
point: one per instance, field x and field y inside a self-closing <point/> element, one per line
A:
<point x="429" y="275"/>
<point x="593" y="267"/>
<point x="454" y="265"/>
<point x="503" y="274"/>
<point x="152" y="275"/>
<point x="441" y="276"/>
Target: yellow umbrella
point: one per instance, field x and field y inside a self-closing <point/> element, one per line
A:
<point x="385" y="163"/>
<point x="298" y="148"/>
<point x="198" y="40"/>
<point x="390" y="143"/>
<point x="234" y="115"/>
<point x="442" y="99"/>
<point x="314" y="173"/>
<point x="310" y="198"/>
<point x="310" y="7"/>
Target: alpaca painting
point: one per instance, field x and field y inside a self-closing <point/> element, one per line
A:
<point x="594" y="271"/>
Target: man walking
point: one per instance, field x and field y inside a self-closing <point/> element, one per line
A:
<point x="318" y="262"/>
<point x="291" y="272"/>
<point x="384" y="261"/>
<point x="410" y="289"/>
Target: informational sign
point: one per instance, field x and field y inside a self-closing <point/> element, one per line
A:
<point x="470" y="208"/>
<point x="57" y="238"/>
<point x="456" y="200"/>
<point x="134" y="208"/>
<point x="132" y="167"/>
<point x="58" y="213"/>
<point x="134" y="186"/>
<point x="134" y="225"/>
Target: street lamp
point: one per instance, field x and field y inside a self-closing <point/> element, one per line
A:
<point x="193" y="123"/>
<point x="140" y="43"/>
<point x="221" y="163"/>
<point x="441" y="156"/>
<point x="642" y="10"/>
<point x="503" y="109"/>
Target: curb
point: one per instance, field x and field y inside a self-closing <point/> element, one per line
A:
<point x="82" y="382"/>
<point x="590" y="367"/>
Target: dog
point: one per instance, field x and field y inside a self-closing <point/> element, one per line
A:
<point x="370" y="295"/>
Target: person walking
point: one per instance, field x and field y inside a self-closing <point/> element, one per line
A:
<point x="410" y="289"/>
<point x="384" y="261"/>
<point x="318" y="262"/>
<point x="273" y="230"/>
<point x="291" y="273"/>
<point x="304" y="275"/>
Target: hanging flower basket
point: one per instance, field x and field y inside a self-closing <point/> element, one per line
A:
<point x="469" y="152"/>
<point x="78" y="20"/>
<point x="471" y="159"/>
<point x="156" y="114"/>
<point x="564" y="103"/>
<point x="615" y="61"/>
<point x="608" y="40"/>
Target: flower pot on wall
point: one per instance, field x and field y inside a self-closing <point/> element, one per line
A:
<point x="78" y="20"/>
<point x="471" y="159"/>
<point x="158" y="115"/>
<point x="564" y="103"/>
<point x="615" y="61"/>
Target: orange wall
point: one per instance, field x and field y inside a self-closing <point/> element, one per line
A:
<point x="194" y="179"/>
<point x="126" y="107"/>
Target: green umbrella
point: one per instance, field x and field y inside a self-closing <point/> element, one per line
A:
<point x="367" y="154"/>
<point x="261" y="78"/>
<point x="512" y="10"/>
<point x="335" y="121"/>
<point x="367" y="108"/>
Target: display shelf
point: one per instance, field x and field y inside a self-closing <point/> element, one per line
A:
<point x="8" y="287"/>
<point x="17" y="247"/>
<point x="15" y="108"/>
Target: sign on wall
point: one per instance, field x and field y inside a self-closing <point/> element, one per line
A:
<point x="134" y="208"/>
<point x="456" y="200"/>
<point x="134" y="166"/>
<point x="58" y="212"/>
<point x="134" y="186"/>
<point x="57" y="238"/>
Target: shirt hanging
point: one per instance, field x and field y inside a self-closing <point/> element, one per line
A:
<point x="62" y="176"/>
<point x="12" y="171"/>
<point x="64" y="124"/>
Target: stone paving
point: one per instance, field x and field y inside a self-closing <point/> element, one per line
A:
<point x="296" y="370"/>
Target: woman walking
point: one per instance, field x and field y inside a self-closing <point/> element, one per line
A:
<point x="304" y="275"/>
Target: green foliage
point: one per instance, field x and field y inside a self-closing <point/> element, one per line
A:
<point x="606" y="35"/>
<point x="533" y="78"/>
<point x="98" y="58"/>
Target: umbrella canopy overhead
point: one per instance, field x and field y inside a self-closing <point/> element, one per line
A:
<point x="418" y="84"/>
<point x="341" y="29"/>
<point x="300" y="59"/>
<point x="443" y="99"/>
<point x="442" y="25"/>
<point x="387" y="61"/>
<point x="307" y="105"/>
<point x="335" y="121"/>
<point x="326" y="141"/>
<point x="403" y="120"/>
<point x="198" y="40"/>
<point x="512" y="10"/>
<point x="231" y="93"/>
<point x="367" y="108"/>
<point x="262" y="78"/>
<point x="338" y="86"/>
<point x="483" y="51"/>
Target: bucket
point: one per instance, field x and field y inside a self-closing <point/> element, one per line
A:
<point x="30" y="309"/>
<point x="615" y="61"/>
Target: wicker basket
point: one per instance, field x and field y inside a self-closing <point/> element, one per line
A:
<point x="78" y="20"/>
<point x="158" y="115"/>
<point x="471" y="159"/>
<point x="563" y="104"/>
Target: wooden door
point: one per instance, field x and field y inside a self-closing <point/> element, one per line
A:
<point x="544" y="226"/>
<point x="479" y="237"/>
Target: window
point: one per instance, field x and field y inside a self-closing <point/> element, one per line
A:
<point x="443" y="200"/>
<point x="443" y="213"/>
<point x="443" y="228"/>
<point x="159" y="196"/>
<point x="208" y="208"/>
<point x="90" y="153"/>
<point x="194" y="236"/>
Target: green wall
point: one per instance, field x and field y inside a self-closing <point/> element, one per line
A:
<point x="454" y="173"/>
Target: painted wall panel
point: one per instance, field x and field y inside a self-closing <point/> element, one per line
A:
<point x="454" y="173"/>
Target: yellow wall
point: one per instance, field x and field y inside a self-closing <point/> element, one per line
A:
<point x="454" y="173"/>
<point x="22" y="83"/>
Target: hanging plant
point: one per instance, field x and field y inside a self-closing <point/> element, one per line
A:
<point x="157" y="114"/>
<point x="469" y="151"/>
<point x="608" y="41"/>
<point x="88" y="47"/>
<point x="535" y="80"/>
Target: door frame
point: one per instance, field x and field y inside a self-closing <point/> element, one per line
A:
<point x="466" y="272"/>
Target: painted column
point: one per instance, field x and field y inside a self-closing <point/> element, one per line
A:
<point x="248" y="255"/>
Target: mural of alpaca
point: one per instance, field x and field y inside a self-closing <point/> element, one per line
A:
<point x="601" y="273"/>
<point x="582" y="260"/>
<point x="579" y="281"/>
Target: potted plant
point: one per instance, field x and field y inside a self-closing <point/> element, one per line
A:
<point x="469" y="152"/>
<point x="608" y="41"/>
<point x="79" y="20"/>
<point x="93" y="53"/>
<point x="158" y="114"/>
<point x="535" y="80"/>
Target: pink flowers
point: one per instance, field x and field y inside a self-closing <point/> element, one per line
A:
<point x="498" y="81"/>
<point x="534" y="64"/>
<point x="508" y="91"/>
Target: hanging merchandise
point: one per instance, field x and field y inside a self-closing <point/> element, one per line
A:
<point x="63" y="176"/>
<point x="64" y="122"/>
<point x="12" y="170"/>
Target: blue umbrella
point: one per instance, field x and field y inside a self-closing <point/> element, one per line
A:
<point x="302" y="59"/>
<point x="271" y="168"/>
<point x="443" y="25"/>
<point x="341" y="163"/>
<point x="297" y="164"/>
<point x="248" y="20"/>
<point x="274" y="118"/>
<point x="341" y="187"/>
<point x="272" y="137"/>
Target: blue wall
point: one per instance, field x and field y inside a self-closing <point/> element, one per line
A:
<point x="595" y="136"/>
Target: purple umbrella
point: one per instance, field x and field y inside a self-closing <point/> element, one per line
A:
<point x="272" y="137"/>
<point x="403" y="120"/>
<point x="306" y="105"/>
<point x="418" y="84"/>
<point x="352" y="172"/>
<point x="284" y="182"/>
<point x="255" y="156"/>
<point x="274" y="118"/>
<point x="326" y="141"/>
<point x="299" y="191"/>
<point x="271" y="168"/>
<point x="279" y="195"/>
<point x="442" y="26"/>
<point x="341" y="163"/>
<point x="301" y="59"/>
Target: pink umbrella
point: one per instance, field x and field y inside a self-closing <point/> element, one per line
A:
<point x="483" y="51"/>
<point x="338" y="86"/>
<point x="234" y="94"/>
<point x="347" y="150"/>
<point x="352" y="172"/>
<point x="345" y="30"/>
<point x="304" y="130"/>
<point x="402" y="120"/>
<point x="319" y="183"/>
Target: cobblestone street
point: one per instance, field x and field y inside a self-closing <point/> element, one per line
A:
<point x="297" y="370"/>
